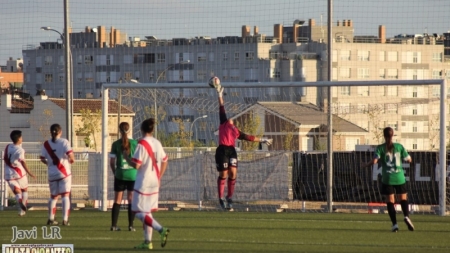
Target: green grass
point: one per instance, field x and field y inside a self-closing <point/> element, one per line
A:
<point x="193" y="231"/>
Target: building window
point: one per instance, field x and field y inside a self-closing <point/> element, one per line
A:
<point x="225" y="56"/>
<point x="436" y="74"/>
<point x="79" y="77"/>
<point x="363" y="55"/>
<point x="363" y="91"/>
<point x="391" y="108"/>
<point x="414" y="94"/>
<point x="447" y="74"/>
<point x="88" y="59"/>
<point x="392" y="125"/>
<point x="391" y="90"/>
<point x="180" y="57"/>
<point x="201" y="75"/>
<point x="392" y="56"/>
<point x="61" y="77"/>
<point x="414" y="77"/>
<point x="48" y="78"/>
<point x="345" y="90"/>
<point x="151" y="75"/>
<point x="181" y="76"/>
<point x="345" y="55"/>
<point x="234" y="74"/>
<point x="437" y="57"/>
<point x="88" y="77"/>
<point x="414" y="110"/>
<point x="48" y="60"/>
<point x="344" y="72"/>
<point x="392" y="74"/>
<point x="127" y="59"/>
<point x="161" y="57"/>
<point x="201" y="57"/>
<point x="436" y="91"/>
<point x="414" y="128"/>
<point x="224" y="74"/>
<point x="108" y="60"/>
<point x="414" y="146"/>
<point x="276" y="73"/>
<point x="249" y="56"/>
<point x="361" y="108"/>
<point x="236" y="56"/>
<point x="382" y="73"/>
<point x="211" y="56"/>
<point x="416" y="58"/>
<point x="61" y="93"/>
<point x="381" y="56"/>
<point x="363" y="73"/>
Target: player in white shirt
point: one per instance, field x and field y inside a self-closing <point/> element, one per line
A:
<point x="58" y="156"/>
<point x="150" y="160"/>
<point x="16" y="170"/>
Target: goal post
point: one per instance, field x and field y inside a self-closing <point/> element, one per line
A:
<point x="170" y="89"/>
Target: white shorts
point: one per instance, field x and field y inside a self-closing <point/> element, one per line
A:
<point x="60" y="187"/>
<point x="21" y="183"/>
<point x="145" y="203"/>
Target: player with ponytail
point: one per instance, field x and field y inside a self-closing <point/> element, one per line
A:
<point x="124" y="174"/>
<point x="57" y="154"/>
<point x="391" y="156"/>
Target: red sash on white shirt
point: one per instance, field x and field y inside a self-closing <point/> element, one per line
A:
<point x="152" y="155"/>
<point x="55" y="158"/>
<point x="8" y="162"/>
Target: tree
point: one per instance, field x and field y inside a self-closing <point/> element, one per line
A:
<point x="91" y="125"/>
<point x="374" y="113"/>
<point x="44" y="127"/>
<point x="434" y="132"/>
<point x="288" y="136"/>
<point x="249" y="123"/>
<point x="149" y="112"/>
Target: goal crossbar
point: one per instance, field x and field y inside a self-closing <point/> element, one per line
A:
<point x="322" y="84"/>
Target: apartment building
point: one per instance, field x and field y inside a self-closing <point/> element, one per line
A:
<point x="294" y="52"/>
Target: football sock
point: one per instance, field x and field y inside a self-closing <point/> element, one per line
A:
<point x="220" y="186"/>
<point x="18" y="200"/>
<point x="148" y="220"/>
<point x="405" y="207"/>
<point x="148" y="233"/>
<point x="52" y="208"/>
<point x="115" y="214"/>
<point x="131" y="215"/>
<point x="65" y="207"/>
<point x="391" y="211"/>
<point x="231" y="184"/>
<point x="25" y="198"/>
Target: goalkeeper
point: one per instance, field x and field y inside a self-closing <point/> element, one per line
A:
<point x="226" y="156"/>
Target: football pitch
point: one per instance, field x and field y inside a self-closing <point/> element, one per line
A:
<point x="201" y="231"/>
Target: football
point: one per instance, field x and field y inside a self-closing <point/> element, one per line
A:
<point x="214" y="82"/>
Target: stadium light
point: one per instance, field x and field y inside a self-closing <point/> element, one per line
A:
<point x="69" y="98"/>
<point x="154" y="94"/>
<point x="190" y="129"/>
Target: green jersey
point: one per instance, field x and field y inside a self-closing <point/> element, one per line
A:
<point x="392" y="171"/>
<point x="123" y="170"/>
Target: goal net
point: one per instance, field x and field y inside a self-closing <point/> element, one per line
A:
<point x="291" y="174"/>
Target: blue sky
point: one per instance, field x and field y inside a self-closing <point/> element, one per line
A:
<point x="21" y="19"/>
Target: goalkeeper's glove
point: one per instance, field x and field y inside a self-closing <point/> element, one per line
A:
<point x="266" y="141"/>
<point x="220" y="90"/>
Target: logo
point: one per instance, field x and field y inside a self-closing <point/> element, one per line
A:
<point x="37" y="248"/>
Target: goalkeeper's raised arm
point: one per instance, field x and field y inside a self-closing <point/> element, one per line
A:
<point x="226" y="155"/>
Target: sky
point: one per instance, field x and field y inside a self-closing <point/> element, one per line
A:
<point x="21" y="19"/>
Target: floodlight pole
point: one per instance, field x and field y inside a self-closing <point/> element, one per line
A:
<point x="330" y="114"/>
<point x="69" y="98"/>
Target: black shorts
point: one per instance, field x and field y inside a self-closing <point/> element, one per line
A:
<point x="122" y="185"/>
<point x="226" y="156"/>
<point x="393" y="189"/>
